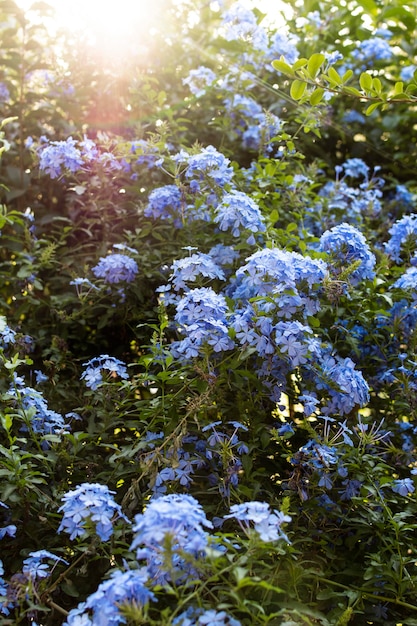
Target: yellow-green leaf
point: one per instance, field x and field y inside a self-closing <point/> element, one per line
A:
<point x="347" y="76"/>
<point x="365" y="81"/>
<point x="297" y="90"/>
<point x="300" y="63"/>
<point x="377" y="85"/>
<point x="316" y="96"/>
<point x="334" y="76"/>
<point x="372" y="108"/>
<point x="314" y="63"/>
<point x="282" y="66"/>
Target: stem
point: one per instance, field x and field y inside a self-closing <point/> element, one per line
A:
<point x="366" y="594"/>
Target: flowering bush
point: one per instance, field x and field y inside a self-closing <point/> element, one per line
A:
<point x="208" y="319"/>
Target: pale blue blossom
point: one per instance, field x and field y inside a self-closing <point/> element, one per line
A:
<point x="89" y="504"/>
<point x="116" y="268"/>
<point x="93" y="374"/>
<point x="267" y="523"/>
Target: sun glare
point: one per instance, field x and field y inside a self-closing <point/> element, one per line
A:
<point x="107" y="24"/>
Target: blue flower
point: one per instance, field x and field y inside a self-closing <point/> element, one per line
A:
<point x="403" y="235"/>
<point x="345" y="245"/>
<point x="373" y="49"/>
<point x="60" y="155"/>
<point x="238" y="211"/>
<point x="408" y="280"/>
<point x="198" y="617"/>
<point x="201" y="316"/>
<point x="93" y="374"/>
<point x="89" y="504"/>
<point x="403" y="486"/>
<point x="164" y="202"/>
<point x="43" y="420"/>
<point x="187" y="269"/>
<point x="170" y="526"/>
<point x="267" y="523"/>
<point x="206" y="168"/>
<point x="355" y="168"/>
<point x="116" y="268"/>
<point x="241" y="24"/>
<point x="199" y="79"/>
<point x="407" y="73"/>
<point x="34" y="567"/>
<point x="104" y="604"/>
<point x="9" y="530"/>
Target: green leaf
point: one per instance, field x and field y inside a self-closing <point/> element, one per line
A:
<point x="377" y="85"/>
<point x="365" y="81"/>
<point x="334" y="76"/>
<point x="300" y="63"/>
<point x="372" y="107"/>
<point x="399" y="87"/>
<point x="314" y="63"/>
<point x="316" y="96"/>
<point x="297" y="90"/>
<point x="283" y="67"/>
<point x="347" y="76"/>
<point x="352" y="91"/>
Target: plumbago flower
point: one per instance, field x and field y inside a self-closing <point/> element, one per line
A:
<point x="58" y="156"/>
<point x="164" y="203"/>
<point x="288" y="278"/>
<point x="199" y="617"/>
<point x="267" y="523"/>
<point x="41" y="419"/>
<point x="188" y="269"/>
<point x="201" y="316"/>
<point x="346" y="386"/>
<point x="116" y="268"/>
<point x="240" y="24"/>
<point x="206" y="169"/>
<point x="35" y="567"/>
<point x="345" y="246"/>
<point x="93" y="374"/>
<point x="89" y="504"/>
<point x="199" y="79"/>
<point x="403" y="238"/>
<point x="171" y="528"/>
<point x="103" y="606"/>
<point x="238" y="211"/>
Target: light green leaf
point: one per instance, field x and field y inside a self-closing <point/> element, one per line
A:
<point x="316" y="96"/>
<point x="372" y="107"/>
<point x="347" y="76"/>
<point x="297" y="90"/>
<point x="314" y="63"/>
<point x="283" y="67"/>
<point x="334" y="76"/>
<point x="365" y="81"/>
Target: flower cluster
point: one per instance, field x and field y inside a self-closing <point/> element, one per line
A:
<point x="188" y="269"/>
<point x="238" y="211"/>
<point x="38" y="416"/>
<point x="89" y="504"/>
<point x="174" y="520"/>
<point x="206" y="169"/>
<point x="267" y="523"/>
<point x="403" y="238"/>
<point x="93" y="374"/>
<point x="103" y="606"/>
<point x="199" y="79"/>
<point x="57" y="156"/>
<point x="164" y="203"/>
<point x="201" y="315"/>
<point x="346" y="245"/>
<point x="34" y="565"/>
<point x="116" y="268"/>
